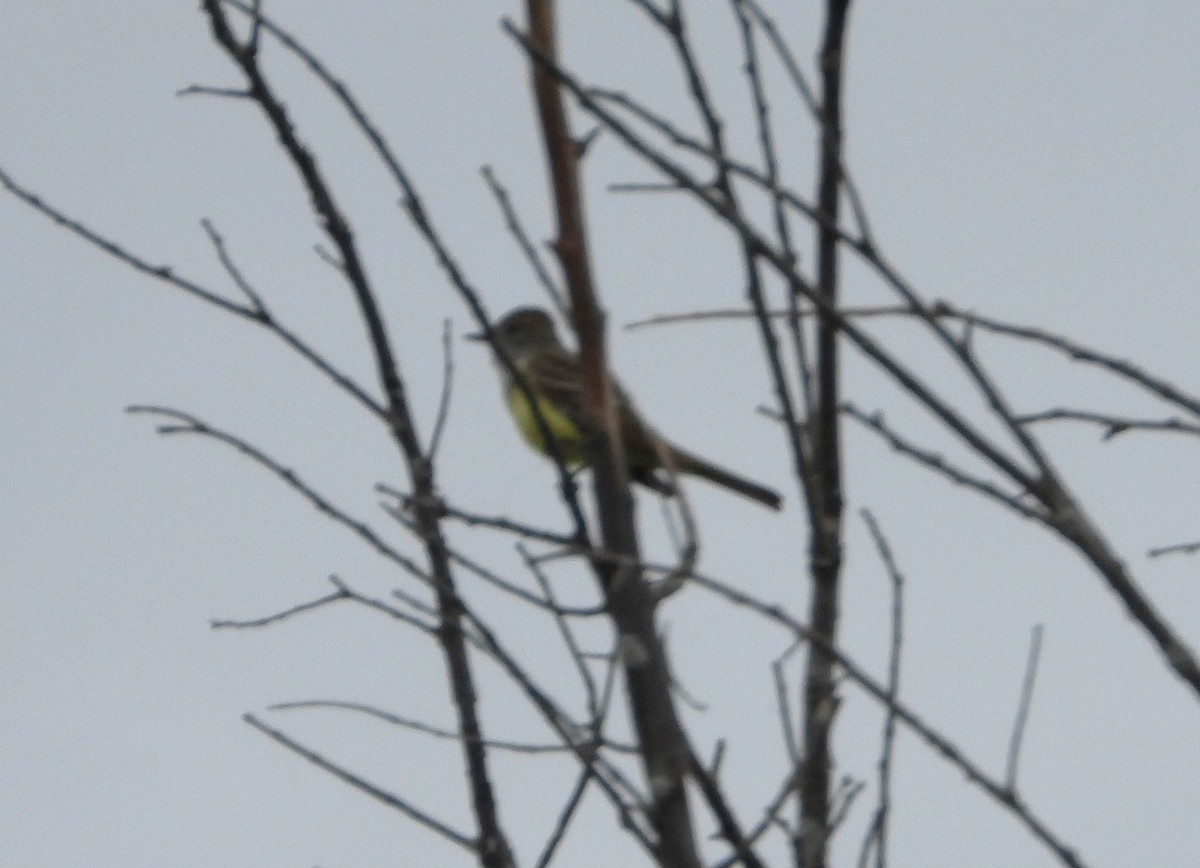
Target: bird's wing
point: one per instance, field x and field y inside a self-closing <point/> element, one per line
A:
<point x="555" y="376"/>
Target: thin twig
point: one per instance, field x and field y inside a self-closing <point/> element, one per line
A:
<point x="416" y="725"/>
<point x="771" y="817"/>
<point x="565" y="631"/>
<point x="231" y="268"/>
<point x="439" y="424"/>
<point x="932" y="738"/>
<point x="492" y="577"/>
<point x="565" y="815"/>
<point x="842" y="800"/>
<point x="513" y="222"/>
<point x="906" y="379"/>
<point x="779" y="210"/>
<point x="1018" y="733"/>
<point x="495" y="522"/>
<point x="808" y="97"/>
<point x="165" y="273"/>
<point x="422" y="221"/>
<point x="218" y="624"/>
<point x="1080" y="353"/>
<point x="402" y="805"/>
<point x="783" y="705"/>
<point x="1177" y="549"/>
<point x="730" y="828"/>
<point x="185" y="423"/>
<point x="937" y="463"/>
<point x="427" y="627"/>
<point x="1113" y="425"/>
<point x="878" y="831"/>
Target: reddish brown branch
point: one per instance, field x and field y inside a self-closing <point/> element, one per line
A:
<point x="660" y="735"/>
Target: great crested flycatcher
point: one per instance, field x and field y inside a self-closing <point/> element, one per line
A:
<point x="552" y="374"/>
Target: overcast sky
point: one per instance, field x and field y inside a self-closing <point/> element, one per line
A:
<point x="1029" y="160"/>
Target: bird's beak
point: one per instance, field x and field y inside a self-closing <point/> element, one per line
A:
<point x="476" y="336"/>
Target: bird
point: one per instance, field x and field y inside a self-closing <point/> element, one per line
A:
<point x="552" y="374"/>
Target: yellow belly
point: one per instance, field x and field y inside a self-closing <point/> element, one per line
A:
<point x="564" y="431"/>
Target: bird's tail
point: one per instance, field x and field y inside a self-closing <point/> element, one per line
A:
<point x="685" y="462"/>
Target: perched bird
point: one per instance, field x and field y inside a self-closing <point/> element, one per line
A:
<point x="552" y="373"/>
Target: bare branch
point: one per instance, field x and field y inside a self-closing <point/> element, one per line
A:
<point x="818" y="817"/>
<point x="393" y="801"/>
<point x="185" y="423"/>
<point x="877" y="835"/>
<point x="209" y="90"/>
<point x="565" y="815"/>
<point x="1179" y="548"/>
<point x="416" y="725"/>
<point x="935" y="462"/>
<point x="648" y="681"/>
<point x="281" y="616"/>
<point x="784" y="707"/>
<point x="731" y="830"/>
<point x="513" y="222"/>
<point x="495" y="522"/>
<point x="778" y="204"/>
<point x="1080" y="353"/>
<point x="771" y="817"/>
<point x="808" y="98"/>
<point x="443" y="410"/>
<point x="491" y="576"/>
<point x="255" y="313"/>
<point x="567" y="634"/>
<point x="1018" y="733"/>
<point x="231" y="268"/>
<point x="1113" y="425"/>
<point x="939" y="743"/>
<point x="493" y="846"/>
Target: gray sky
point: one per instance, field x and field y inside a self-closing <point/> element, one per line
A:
<point x="1032" y="161"/>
